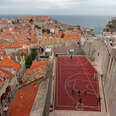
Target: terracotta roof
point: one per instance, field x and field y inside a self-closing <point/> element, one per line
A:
<point x="37" y="71"/>
<point x="6" y="74"/>
<point x="2" y="51"/>
<point x="1" y="45"/>
<point x="1" y="83"/>
<point x="37" y="65"/>
<point x="23" y="101"/>
<point x="73" y="35"/>
<point x="8" y="35"/>
<point x="14" y="45"/>
<point x="3" y="22"/>
<point x="76" y="30"/>
<point x="7" y="62"/>
<point x="43" y="16"/>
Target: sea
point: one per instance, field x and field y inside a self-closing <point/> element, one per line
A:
<point x="96" y="22"/>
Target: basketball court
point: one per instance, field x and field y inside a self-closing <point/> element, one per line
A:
<point x="76" y="74"/>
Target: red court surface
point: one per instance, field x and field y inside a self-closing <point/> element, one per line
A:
<point x="76" y="74"/>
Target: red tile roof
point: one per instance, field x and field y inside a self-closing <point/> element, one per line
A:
<point x="73" y="35"/>
<point x="1" y="45"/>
<point x="7" y="62"/>
<point x="6" y="74"/>
<point x="3" y="22"/>
<point x="37" y="65"/>
<point x="23" y="101"/>
<point x="14" y="45"/>
<point x="43" y="16"/>
<point x="2" y="51"/>
<point x="1" y="83"/>
<point x="76" y="30"/>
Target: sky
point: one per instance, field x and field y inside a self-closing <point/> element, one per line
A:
<point x="59" y="7"/>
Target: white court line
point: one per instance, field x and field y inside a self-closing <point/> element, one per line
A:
<point x="90" y="82"/>
<point x="68" y="93"/>
<point x="75" y="101"/>
<point x="88" y="79"/>
<point x="74" y="84"/>
<point x="64" y="63"/>
<point x="92" y="86"/>
<point x="65" y="88"/>
<point x="74" y="81"/>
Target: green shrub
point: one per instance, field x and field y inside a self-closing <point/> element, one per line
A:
<point x="45" y="30"/>
<point x="29" y="58"/>
<point x="28" y="61"/>
<point x="62" y="36"/>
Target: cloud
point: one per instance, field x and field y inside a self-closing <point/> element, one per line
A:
<point x="90" y="7"/>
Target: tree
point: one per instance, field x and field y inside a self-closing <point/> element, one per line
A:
<point x="45" y="30"/>
<point x="28" y="61"/>
<point x="17" y="21"/>
<point x="31" y="21"/>
<point x="29" y="58"/>
<point x="37" y="27"/>
<point x="33" y="53"/>
<point x="48" y="31"/>
<point x="62" y="36"/>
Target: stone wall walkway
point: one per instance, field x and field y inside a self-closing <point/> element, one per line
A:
<point x="39" y="103"/>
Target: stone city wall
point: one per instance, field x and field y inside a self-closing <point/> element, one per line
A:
<point x="98" y="51"/>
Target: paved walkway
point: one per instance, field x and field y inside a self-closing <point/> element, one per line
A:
<point x="76" y="113"/>
<point x="103" y="102"/>
<point x="39" y="102"/>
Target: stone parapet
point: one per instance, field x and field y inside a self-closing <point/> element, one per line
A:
<point x="112" y="49"/>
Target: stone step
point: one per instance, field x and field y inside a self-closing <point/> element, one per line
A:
<point x="76" y="113"/>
